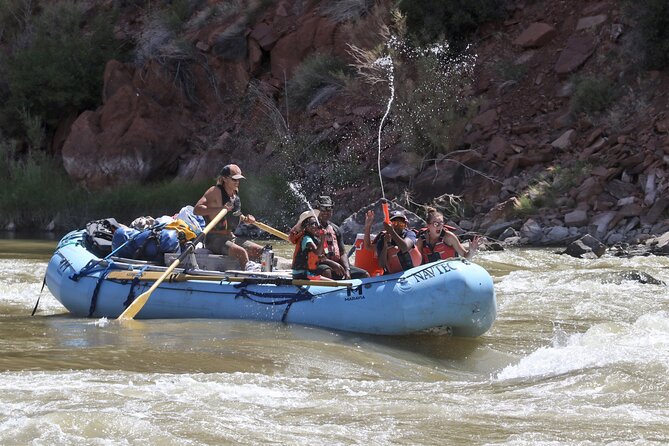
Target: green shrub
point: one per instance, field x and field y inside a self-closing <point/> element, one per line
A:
<point x="653" y="20"/>
<point x="35" y="190"/>
<point x="508" y="70"/>
<point x="550" y="185"/>
<point x="430" y="20"/>
<point x="315" y="72"/>
<point x="345" y="10"/>
<point x="14" y="15"/>
<point x="60" y="68"/>
<point x="592" y="95"/>
<point x="525" y="206"/>
<point x="431" y="108"/>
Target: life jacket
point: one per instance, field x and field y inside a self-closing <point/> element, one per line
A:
<point x="400" y="261"/>
<point x="303" y="258"/>
<point x="331" y="245"/>
<point x="181" y="227"/>
<point x="440" y="250"/>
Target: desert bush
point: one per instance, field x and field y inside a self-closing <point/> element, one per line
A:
<point x="432" y="105"/>
<point x="231" y="44"/>
<point x="36" y="189"/>
<point x="549" y="186"/>
<point x="58" y="67"/>
<point x="14" y="16"/>
<point x="508" y="70"/>
<point x="315" y="72"/>
<point x="345" y="10"/>
<point x="592" y="95"/>
<point x="431" y="20"/>
<point x="652" y="17"/>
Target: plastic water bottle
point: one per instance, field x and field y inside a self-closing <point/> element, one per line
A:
<point x="267" y="259"/>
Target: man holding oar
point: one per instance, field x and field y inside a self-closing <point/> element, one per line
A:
<point x="221" y="239"/>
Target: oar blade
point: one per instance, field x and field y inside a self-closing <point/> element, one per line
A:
<point x="135" y="306"/>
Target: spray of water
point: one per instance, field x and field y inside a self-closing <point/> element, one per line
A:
<point x="297" y="191"/>
<point x="387" y="64"/>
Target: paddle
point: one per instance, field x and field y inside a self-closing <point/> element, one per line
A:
<point x="271" y="230"/>
<point x="139" y="303"/>
<point x="181" y="277"/>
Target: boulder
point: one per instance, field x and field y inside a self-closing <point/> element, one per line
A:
<point x="291" y="49"/>
<point x="532" y="231"/>
<point x="579" y="49"/>
<point x="137" y="135"/>
<point x="501" y="213"/>
<point x="536" y="35"/>
<point x="565" y="140"/>
<point x="577" y="217"/>
<point x="585" y="247"/>
<point x="590" y="22"/>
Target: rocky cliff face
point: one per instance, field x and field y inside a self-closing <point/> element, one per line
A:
<point x="605" y="173"/>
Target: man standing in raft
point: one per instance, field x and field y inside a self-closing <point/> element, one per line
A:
<point x="221" y="239"/>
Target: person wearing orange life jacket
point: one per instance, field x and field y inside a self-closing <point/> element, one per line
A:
<point x="308" y="246"/>
<point x="437" y="242"/>
<point x="395" y="245"/>
<point x="335" y="264"/>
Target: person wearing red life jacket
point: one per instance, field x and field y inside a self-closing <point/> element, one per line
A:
<point x="335" y="264"/>
<point x="395" y="245"/>
<point x="437" y="242"/>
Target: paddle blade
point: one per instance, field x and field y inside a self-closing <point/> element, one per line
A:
<point x="135" y="306"/>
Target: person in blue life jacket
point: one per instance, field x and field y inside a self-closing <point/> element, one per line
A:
<point x="396" y="245"/>
<point x="221" y="239"/>
<point x="437" y="242"/>
<point x="335" y="262"/>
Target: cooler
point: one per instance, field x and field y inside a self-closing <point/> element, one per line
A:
<point x="365" y="258"/>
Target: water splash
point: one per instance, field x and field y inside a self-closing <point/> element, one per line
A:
<point x="386" y="63"/>
<point x="297" y="191"/>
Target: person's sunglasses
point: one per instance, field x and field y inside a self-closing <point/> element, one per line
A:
<point x="325" y="209"/>
<point x="438" y="224"/>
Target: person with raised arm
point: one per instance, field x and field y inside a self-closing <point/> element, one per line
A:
<point x="437" y="242"/>
<point x="395" y="245"/>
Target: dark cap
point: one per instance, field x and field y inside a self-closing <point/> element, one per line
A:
<point x="325" y="201"/>
<point x="398" y="214"/>
<point x="233" y="171"/>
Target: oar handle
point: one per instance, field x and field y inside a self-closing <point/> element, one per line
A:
<point x="271" y="230"/>
<point x="181" y="277"/>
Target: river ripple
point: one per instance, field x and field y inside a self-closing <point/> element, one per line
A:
<point x="579" y="355"/>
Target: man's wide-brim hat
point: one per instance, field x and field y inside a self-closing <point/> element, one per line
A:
<point x="305" y="215"/>
<point x="233" y="171"/>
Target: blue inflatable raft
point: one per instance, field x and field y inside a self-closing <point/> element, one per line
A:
<point x="455" y="296"/>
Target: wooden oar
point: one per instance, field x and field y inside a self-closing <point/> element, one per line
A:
<point x="139" y="303"/>
<point x="181" y="277"/>
<point x="271" y="230"/>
